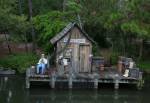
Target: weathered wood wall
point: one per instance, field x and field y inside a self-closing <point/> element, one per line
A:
<point x="80" y="48"/>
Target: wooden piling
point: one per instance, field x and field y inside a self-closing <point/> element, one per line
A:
<point x="96" y="83"/>
<point x="53" y="81"/>
<point x="116" y="82"/>
<point x="27" y="83"/>
<point x="70" y="82"/>
<point x="83" y="79"/>
<point x="95" y="80"/>
<point x="27" y="78"/>
<point x="140" y="82"/>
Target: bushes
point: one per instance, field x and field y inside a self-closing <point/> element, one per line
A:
<point x="48" y="25"/>
<point x="114" y="58"/>
<point x="144" y="65"/>
<point x="18" y="62"/>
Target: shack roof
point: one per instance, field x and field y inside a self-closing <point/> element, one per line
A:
<point x="64" y="32"/>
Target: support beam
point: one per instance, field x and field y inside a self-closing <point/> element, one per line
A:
<point x="116" y="81"/>
<point x="96" y="76"/>
<point x="116" y="84"/>
<point x="70" y="82"/>
<point x="27" y="78"/>
<point x="96" y="83"/>
<point x="53" y="81"/>
<point x="27" y="83"/>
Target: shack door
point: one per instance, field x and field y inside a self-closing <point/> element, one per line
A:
<point x="84" y="52"/>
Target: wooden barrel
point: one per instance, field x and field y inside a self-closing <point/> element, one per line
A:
<point x="120" y="66"/>
<point x="101" y="67"/>
<point x="101" y="64"/>
<point x="134" y="73"/>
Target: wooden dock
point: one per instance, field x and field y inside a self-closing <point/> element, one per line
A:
<point x="75" y="64"/>
<point x="110" y="76"/>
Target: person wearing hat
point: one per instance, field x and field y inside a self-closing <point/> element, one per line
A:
<point x="41" y="65"/>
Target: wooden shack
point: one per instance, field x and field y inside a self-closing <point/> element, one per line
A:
<point x="73" y="49"/>
<point x="75" y="66"/>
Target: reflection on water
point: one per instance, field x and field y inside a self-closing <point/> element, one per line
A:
<point x="12" y="90"/>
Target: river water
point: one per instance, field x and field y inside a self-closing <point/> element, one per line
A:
<point x="12" y="90"/>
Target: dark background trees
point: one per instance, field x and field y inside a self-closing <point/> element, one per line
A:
<point x="121" y="26"/>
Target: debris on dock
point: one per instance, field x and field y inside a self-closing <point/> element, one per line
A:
<point x="7" y="71"/>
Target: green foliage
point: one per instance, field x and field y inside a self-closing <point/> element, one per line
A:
<point x="95" y="51"/>
<point x="19" y="24"/>
<point x="19" y="62"/>
<point x="8" y="5"/>
<point x="113" y="21"/>
<point x="144" y="65"/>
<point x="116" y="19"/>
<point x="41" y="7"/>
<point x="6" y="10"/>
<point x="135" y="27"/>
<point x="10" y="21"/>
<point x="73" y="6"/>
<point x="114" y="58"/>
<point x="49" y="25"/>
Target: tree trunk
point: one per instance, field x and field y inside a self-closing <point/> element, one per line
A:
<point x="9" y="49"/>
<point x="122" y="42"/>
<point x="32" y="28"/>
<point x="26" y="43"/>
<point x="25" y="36"/>
<point x="64" y="5"/>
<point x="20" y="7"/>
<point x="140" y="49"/>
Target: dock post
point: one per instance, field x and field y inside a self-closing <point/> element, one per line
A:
<point x="70" y="76"/>
<point x="70" y="82"/>
<point x="116" y="82"/>
<point x="53" y="81"/>
<point x="27" y="78"/>
<point x="116" y="85"/>
<point x="96" y="83"/>
<point x="140" y="82"/>
<point x="27" y="83"/>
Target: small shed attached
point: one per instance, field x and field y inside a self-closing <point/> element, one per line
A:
<point x="73" y="49"/>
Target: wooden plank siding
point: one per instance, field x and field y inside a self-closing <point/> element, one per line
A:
<point x="84" y="58"/>
<point x="80" y="62"/>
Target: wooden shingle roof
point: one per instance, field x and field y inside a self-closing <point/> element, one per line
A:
<point x="60" y="35"/>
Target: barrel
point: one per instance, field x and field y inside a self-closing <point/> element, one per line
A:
<point x="134" y="72"/>
<point x="120" y="66"/>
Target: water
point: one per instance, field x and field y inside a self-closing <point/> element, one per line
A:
<point x="12" y="90"/>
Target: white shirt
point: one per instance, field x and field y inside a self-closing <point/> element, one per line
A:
<point x="126" y="74"/>
<point x="65" y="62"/>
<point x="131" y="64"/>
<point x="42" y="60"/>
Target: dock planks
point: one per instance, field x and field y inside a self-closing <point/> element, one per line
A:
<point x="110" y="76"/>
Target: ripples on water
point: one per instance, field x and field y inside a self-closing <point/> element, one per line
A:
<point x="12" y="90"/>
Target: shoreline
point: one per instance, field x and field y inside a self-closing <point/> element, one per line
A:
<point x="146" y="71"/>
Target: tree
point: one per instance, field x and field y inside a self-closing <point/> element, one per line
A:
<point x="49" y="25"/>
<point x="117" y="20"/>
<point x="10" y="21"/>
<point x="31" y="24"/>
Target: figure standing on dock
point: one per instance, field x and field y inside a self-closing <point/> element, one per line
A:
<point x="41" y="64"/>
